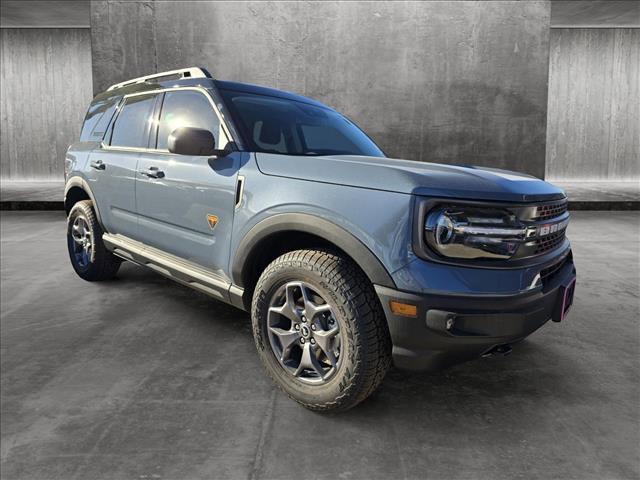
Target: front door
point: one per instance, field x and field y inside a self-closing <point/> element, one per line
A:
<point x="185" y="204"/>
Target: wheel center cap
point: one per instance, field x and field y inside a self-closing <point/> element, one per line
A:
<point x="304" y="330"/>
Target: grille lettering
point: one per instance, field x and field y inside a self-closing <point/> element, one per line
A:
<point x="552" y="228"/>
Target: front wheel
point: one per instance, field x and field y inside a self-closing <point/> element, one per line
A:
<point x="89" y="257"/>
<point x="320" y="330"/>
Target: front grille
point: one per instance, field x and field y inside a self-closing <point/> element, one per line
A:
<point x="550" y="210"/>
<point x="548" y="272"/>
<point x="549" y="242"/>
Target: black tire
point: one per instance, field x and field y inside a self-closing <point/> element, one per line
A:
<point x="101" y="264"/>
<point x="366" y="351"/>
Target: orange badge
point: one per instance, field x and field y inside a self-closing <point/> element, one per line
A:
<point x="213" y="220"/>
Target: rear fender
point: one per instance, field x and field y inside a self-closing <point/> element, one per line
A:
<point x="77" y="181"/>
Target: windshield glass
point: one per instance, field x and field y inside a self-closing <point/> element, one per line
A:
<point x="289" y="127"/>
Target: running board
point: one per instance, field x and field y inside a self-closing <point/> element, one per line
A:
<point x="175" y="268"/>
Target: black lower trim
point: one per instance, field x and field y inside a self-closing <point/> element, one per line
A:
<point x="450" y="329"/>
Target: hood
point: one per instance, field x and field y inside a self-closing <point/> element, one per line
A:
<point x="411" y="177"/>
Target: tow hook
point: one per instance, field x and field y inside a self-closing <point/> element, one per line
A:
<point x="503" y="350"/>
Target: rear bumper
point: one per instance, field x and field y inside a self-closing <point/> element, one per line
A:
<point x="450" y="329"/>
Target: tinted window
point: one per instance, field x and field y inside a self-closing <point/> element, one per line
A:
<point x="97" y="119"/>
<point x="91" y="118"/>
<point x="318" y="137"/>
<point x="188" y="109"/>
<point x="279" y="125"/>
<point x="131" y="128"/>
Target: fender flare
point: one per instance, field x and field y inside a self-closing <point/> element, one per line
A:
<point x="301" y="222"/>
<point x="81" y="183"/>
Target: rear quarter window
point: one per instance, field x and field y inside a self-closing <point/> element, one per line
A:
<point x="97" y="120"/>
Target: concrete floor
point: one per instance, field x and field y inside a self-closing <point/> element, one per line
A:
<point x="140" y="378"/>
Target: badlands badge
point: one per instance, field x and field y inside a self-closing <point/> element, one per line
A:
<point x="212" y="220"/>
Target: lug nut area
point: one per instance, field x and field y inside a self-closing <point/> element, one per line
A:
<point x="306" y="331"/>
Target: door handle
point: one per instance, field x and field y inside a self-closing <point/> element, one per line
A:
<point x="152" y="172"/>
<point x="98" y="164"/>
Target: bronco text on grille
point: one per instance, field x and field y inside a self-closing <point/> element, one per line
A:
<point x="550" y="235"/>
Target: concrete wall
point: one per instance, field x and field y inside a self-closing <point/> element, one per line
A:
<point x="594" y="104"/>
<point x="458" y="82"/>
<point x="45" y="88"/>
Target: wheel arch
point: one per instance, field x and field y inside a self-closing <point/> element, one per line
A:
<point x="291" y="231"/>
<point x="77" y="189"/>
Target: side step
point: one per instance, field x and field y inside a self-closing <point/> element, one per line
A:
<point x="175" y="268"/>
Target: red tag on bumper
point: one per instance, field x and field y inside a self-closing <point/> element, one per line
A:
<point x="565" y="301"/>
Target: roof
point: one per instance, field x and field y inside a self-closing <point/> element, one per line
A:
<point x="195" y="76"/>
<point x="260" y="90"/>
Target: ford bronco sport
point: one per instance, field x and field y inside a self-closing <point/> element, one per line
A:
<point x="347" y="260"/>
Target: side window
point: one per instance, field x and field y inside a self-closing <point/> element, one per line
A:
<point x="131" y="128"/>
<point x="188" y="108"/>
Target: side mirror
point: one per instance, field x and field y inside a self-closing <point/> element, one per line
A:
<point x="193" y="141"/>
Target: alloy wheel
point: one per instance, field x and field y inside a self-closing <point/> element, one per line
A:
<point x="304" y="333"/>
<point x="82" y="241"/>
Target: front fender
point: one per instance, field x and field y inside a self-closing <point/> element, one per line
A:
<point x="315" y="225"/>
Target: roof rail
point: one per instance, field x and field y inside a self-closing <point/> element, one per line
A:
<point x="191" y="72"/>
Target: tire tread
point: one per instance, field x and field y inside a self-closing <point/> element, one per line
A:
<point x="361" y="304"/>
<point x="105" y="264"/>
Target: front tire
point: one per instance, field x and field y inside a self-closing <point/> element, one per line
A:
<point x="320" y="330"/>
<point x="89" y="257"/>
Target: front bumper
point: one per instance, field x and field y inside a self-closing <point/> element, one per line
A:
<point x="450" y="329"/>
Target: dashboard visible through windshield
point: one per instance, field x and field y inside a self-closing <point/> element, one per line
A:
<point x="290" y="127"/>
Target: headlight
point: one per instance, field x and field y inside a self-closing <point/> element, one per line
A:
<point x="470" y="232"/>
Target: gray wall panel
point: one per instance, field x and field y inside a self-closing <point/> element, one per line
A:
<point x="459" y="82"/>
<point x="45" y="88"/>
<point x="594" y="105"/>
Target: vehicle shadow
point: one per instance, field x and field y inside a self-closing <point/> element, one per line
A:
<point x="533" y="372"/>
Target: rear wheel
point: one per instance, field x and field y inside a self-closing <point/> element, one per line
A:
<point x="319" y="329"/>
<point x="88" y="255"/>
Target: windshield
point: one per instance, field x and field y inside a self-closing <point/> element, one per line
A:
<point x="289" y="127"/>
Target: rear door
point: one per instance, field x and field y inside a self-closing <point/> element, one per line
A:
<point x="186" y="203"/>
<point x="113" y="166"/>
